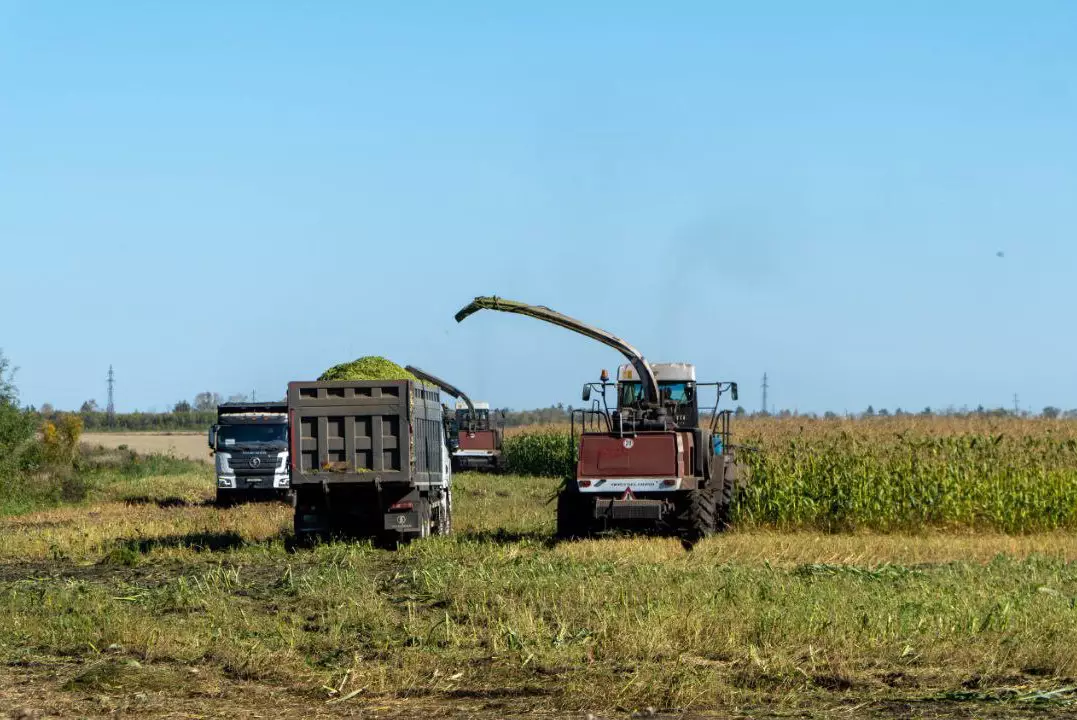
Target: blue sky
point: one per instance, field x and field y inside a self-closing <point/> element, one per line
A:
<point x="229" y="196"/>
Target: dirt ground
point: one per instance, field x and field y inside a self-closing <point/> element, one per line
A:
<point x="185" y="445"/>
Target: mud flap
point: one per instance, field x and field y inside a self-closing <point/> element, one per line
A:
<point x="402" y="521"/>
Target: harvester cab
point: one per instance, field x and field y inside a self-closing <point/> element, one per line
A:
<point x="647" y="461"/>
<point x="676" y="392"/>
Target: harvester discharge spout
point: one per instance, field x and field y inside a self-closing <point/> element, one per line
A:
<point x="454" y="391"/>
<point x="540" y="312"/>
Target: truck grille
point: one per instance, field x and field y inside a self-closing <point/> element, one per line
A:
<point x="253" y="463"/>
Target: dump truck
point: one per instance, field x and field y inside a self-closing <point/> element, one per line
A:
<point x="648" y="461"/>
<point x="369" y="458"/>
<point x="474" y="441"/>
<point x="250" y="445"/>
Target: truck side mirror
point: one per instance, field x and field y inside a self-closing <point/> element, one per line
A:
<point x="213" y="436"/>
<point x="734" y="389"/>
<point x="586" y="395"/>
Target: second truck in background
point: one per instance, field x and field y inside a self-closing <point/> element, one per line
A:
<point x="250" y="442"/>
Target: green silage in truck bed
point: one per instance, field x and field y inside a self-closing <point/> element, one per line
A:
<point x="370" y="367"/>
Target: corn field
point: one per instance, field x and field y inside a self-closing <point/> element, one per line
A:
<point x="542" y="451"/>
<point x="1011" y="475"/>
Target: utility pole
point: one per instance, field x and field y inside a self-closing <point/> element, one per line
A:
<point x="1016" y="408"/>
<point x="110" y="409"/>
<point x="765" y="387"/>
<point x="254" y="397"/>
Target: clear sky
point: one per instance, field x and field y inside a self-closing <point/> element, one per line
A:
<point x="232" y="195"/>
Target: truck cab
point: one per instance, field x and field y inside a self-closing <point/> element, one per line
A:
<point x="250" y="444"/>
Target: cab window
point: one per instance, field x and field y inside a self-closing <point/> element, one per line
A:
<point x="680" y="393"/>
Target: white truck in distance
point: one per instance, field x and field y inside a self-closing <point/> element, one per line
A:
<point x="250" y="442"/>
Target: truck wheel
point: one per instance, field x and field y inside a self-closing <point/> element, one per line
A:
<point x="443" y="526"/>
<point x="574" y="515"/>
<point x="441" y="520"/>
<point x="305" y="537"/>
<point x="307" y="505"/>
<point x="697" y="515"/>
<point x="226" y="498"/>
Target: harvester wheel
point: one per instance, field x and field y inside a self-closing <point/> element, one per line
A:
<point x="725" y="501"/>
<point x="698" y="515"/>
<point x="573" y="515"/>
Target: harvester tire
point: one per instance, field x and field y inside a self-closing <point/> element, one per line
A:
<point x="725" y="500"/>
<point x="573" y="515"/>
<point x="698" y="516"/>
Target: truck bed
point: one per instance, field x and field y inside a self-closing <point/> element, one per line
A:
<point x="365" y="432"/>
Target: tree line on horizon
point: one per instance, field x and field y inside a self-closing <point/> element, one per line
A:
<point x="201" y="412"/>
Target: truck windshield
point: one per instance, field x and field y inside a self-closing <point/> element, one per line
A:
<point x="251" y="434"/>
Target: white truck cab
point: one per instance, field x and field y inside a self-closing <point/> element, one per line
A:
<point x="250" y="445"/>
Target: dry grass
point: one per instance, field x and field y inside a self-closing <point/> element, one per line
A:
<point x="190" y="446"/>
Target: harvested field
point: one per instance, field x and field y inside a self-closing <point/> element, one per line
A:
<point x="190" y="446"/>
<point x="147" y="601"/>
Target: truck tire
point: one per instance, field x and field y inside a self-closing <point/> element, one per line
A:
<point x="443" y="514"/>
<point x="307" y="503"/>
<point x="574" y="515"/>
<point x="226" y="498"/>
<point x="697" y="515"/>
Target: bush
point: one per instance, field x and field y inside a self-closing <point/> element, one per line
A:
<point x="60" y="440"/>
